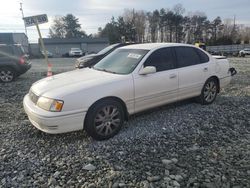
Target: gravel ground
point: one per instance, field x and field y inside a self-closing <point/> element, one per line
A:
<point x="183" y="144"/>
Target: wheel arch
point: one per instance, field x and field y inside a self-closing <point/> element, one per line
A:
<point x="125" y="110"/>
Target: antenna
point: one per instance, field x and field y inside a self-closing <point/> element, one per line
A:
<point x="21" y="9"/>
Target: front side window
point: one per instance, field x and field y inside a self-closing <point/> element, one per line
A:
<point x="121" y="61"/>
<point x="186" y="56"/>
<point x="161" y="59"/>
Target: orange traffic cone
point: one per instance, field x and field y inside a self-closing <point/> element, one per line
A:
<point x="49" y="73"/>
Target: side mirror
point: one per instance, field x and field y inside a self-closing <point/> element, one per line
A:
<point x="147" y="70"/>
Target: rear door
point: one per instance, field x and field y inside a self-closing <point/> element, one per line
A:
<point x="158" y="88"/>
<point x="193" y="70"/>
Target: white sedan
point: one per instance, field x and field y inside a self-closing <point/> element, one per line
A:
<point x="129" y="80"/>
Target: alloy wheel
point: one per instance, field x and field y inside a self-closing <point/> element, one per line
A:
<point x="210" y="91"/>
<point x="107" y="120"/>
<point x="6" y="75"/>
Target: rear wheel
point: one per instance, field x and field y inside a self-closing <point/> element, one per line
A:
<point x="104" y="119"/>
<point x="209" y="91"/>
<point x="7" y="74"/>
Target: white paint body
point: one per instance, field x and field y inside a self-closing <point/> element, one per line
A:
<point x="79" y="89"/>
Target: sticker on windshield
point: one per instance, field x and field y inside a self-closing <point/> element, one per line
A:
<point x="135" y="56"/>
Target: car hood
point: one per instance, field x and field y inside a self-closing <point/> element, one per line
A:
<point x="72" y="81"/>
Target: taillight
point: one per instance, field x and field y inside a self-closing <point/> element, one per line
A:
<point x="21" y="60"/>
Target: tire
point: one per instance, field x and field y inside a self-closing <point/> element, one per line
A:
<point x="104" y="119"/>
<point x="209" y="91"/>
<point x="7" y="74"/>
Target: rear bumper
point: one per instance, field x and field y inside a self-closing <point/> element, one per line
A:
<point x="24" y="68"/>
<point x="50" y="123"/>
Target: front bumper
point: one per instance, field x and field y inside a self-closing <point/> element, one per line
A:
<point x="52" y="122"/>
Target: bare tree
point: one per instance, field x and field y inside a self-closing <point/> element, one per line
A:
<point x="57" y="29"/>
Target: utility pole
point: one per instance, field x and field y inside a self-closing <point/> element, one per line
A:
<point x="21" y="9"/>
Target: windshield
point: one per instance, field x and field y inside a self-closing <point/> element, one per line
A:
<point x="105" y="50"/>
<point x="75" y="49"/>
<point x="121" y="61"/>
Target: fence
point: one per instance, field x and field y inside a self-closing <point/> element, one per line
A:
<point x="227" y="48"/>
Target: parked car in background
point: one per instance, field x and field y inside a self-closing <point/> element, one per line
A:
<point x="244" y="52"/>
<point x="49" y="54"/>
<point x="92" y="59"/>
<point x="129" y="80"/>
<point x="75" y="52"/>
<point x="13" y="62"/>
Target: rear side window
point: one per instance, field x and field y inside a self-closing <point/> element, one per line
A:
<point x="161" y="59"/>
<point x="186" y="56"/>
<point x="19" y="50"/>
<point x="6" y="51"/>
<point x="203" y="57"/>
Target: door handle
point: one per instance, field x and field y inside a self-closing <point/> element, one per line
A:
<point x="205" y="69"/>
<point x="172" y="76"/>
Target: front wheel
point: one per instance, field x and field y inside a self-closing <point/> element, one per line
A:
<point x="209" y="91"/>
<point x="104" y="119"/>
<point x="6" y="74"/>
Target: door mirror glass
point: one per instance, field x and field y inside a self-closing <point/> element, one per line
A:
<point x="147" y="70"/>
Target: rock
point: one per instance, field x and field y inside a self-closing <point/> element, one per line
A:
<point x="91" y="185"/>
<point x="167" y="172"/>
<point x="56" y="174"/>
<point x="175" y="183"/>
<point x="122" y="185"/>
<point x="89" y="167"/>
<point x="153" y="178"/>
<point x="223" y="178"/>
<point x="172" y="177"/>
<point x="166" y="161"/>
<point x="145" y="184"/>
<point x="167" y="179"/>
<point x="115" y="185"/>
<point x="174" y="160"/>
<point x="52" y="181"/>
<point x="178" y="178"/>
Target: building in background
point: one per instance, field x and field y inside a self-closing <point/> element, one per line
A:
<point x="59" y="47"/>
<point x="15" y="38"/>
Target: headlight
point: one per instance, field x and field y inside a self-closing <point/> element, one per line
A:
<point x="48" y="104"/>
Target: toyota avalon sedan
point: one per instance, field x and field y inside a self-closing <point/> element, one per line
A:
<point x="129" y="80"/>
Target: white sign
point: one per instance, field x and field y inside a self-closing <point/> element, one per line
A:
<point x="31" y="21"/>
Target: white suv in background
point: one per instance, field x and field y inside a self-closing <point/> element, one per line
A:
<point x="244" y="52"/>
<point x="75" y="52"/>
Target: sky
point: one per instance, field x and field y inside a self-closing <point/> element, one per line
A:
<point x="96" y="13"/>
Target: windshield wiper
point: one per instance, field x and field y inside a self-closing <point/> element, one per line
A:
<point x="105" y="70"/>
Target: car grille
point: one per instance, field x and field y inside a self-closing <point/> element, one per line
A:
<point x="33" y="97"/>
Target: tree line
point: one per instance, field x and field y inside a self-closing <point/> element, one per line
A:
<point x="163" y="25"/>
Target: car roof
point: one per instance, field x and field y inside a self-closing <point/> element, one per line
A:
<point x="151" y="46"/>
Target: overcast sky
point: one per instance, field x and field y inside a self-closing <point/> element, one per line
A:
<point x="96" y="13"/>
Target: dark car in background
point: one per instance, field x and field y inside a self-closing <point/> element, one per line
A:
<point x="13" y="62"/>
<point x="92" y="59"/>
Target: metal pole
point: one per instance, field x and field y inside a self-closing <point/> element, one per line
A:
<point x="21" y="9"/>
<point x="42" y="44"/>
